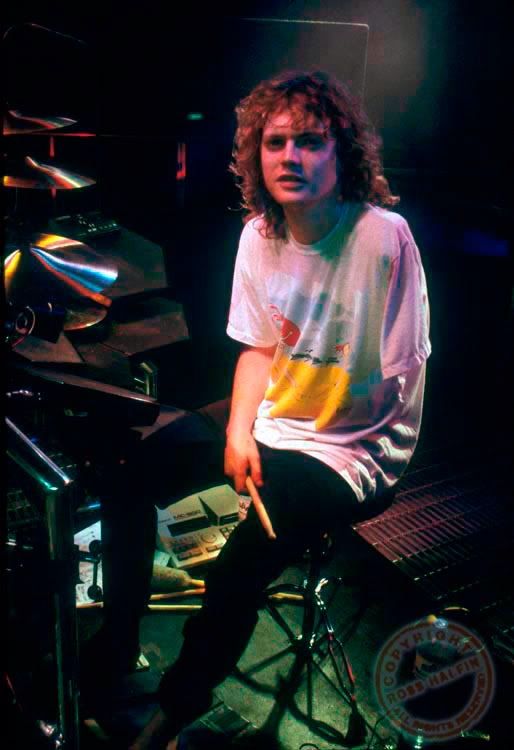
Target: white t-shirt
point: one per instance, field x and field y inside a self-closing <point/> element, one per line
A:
<point x="349" y="315"/>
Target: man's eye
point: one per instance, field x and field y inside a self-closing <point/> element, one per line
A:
<point x="311" y="141"/>
<point x="274" y="143"/>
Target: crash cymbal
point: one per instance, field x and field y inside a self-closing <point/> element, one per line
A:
<point x="78" y="317"/>
<point x="37" y="175"/>
<point x="50" y="267"/>
<point x="17" y="123"/>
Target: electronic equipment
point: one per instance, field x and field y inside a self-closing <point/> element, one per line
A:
<point x="193" y="530"/>
<point x="84" y="226"/>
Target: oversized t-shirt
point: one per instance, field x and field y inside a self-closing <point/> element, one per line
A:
<point x="349" y="316"/>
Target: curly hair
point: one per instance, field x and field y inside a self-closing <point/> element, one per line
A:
<point x="357" y="145"/>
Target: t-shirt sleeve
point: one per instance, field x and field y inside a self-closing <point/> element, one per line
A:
<point x="405" y="332"/>
<point x="249" y="320"/>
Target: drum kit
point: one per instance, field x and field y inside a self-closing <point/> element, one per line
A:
<point x="53" y="284"/>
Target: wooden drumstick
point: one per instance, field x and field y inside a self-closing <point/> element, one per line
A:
<point x="260" y="508"/>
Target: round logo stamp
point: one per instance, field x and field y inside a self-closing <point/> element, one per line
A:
<point x="434" y="679"/>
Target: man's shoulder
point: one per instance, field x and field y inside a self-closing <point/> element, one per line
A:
<point x="255" y="228"/>
<point x="383" y="217"/>
<point x="253" y="238"/>
<point x="383" y="229"/>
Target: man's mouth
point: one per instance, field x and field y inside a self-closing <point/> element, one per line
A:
<point x="292" y="178"/>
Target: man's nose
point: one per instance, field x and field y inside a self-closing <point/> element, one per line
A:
<point x="290" y="152"/>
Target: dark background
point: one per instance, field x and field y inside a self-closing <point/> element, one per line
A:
<point x="437" y="86"/>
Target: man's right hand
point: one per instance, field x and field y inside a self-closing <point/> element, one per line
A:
<point x="250" y="381"/>
<point x="241" y="460"/>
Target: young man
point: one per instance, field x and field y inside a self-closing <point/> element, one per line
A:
<point x="329" y="301"/>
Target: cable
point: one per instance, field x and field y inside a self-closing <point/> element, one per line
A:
<point x="373" y="731"/>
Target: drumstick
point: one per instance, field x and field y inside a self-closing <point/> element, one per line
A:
<point x="260" y="508"/>
<point x="153" y="598"/>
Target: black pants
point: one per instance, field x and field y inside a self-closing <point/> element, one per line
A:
<point x="304" y="498"/>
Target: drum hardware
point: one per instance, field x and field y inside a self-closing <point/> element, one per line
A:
<point x="84" y="396"/>
<point x="94" y="556"/>
<point x="52" y="284"/>
<point x="58" y="490"/>
<point x="43" y="321"/>
<point x="52" y="556"/>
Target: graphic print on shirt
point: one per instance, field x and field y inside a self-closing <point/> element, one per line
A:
<point x="308" y="377"/>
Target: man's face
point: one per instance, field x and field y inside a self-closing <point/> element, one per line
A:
<point x="298" y="159"/>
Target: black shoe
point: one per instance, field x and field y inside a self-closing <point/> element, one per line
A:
<point x="104" y="664"/>
<point x="109" y="654"/>
<point x="122" y="714"/>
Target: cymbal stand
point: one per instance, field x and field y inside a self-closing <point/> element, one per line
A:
<point x="59" y="495"/>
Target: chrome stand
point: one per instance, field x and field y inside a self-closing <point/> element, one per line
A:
<point x="58" y="491"/>
<point x="316" y="633"/>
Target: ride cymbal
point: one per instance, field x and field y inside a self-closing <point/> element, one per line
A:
<point x="50" y="267"/>
<point x="36" y="175"/>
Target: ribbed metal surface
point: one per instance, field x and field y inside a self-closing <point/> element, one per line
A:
<point x="452" y="533"/>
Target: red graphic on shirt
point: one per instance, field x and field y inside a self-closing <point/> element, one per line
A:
<point x="342" y="348"/>
<point x="289" y="331"/>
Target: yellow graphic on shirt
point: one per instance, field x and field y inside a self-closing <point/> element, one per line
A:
<point x="302" y="390"/>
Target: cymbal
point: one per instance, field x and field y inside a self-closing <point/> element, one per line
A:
<point x="50" y="267"/>
<point x="33" y="174"/>
<point x="17" y="123"/>
<point x="77" y="318"/>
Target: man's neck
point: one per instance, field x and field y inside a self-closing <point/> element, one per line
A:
<point x="311" y="224"/>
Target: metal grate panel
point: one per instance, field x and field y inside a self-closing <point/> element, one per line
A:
<point x="452" y="533"/>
